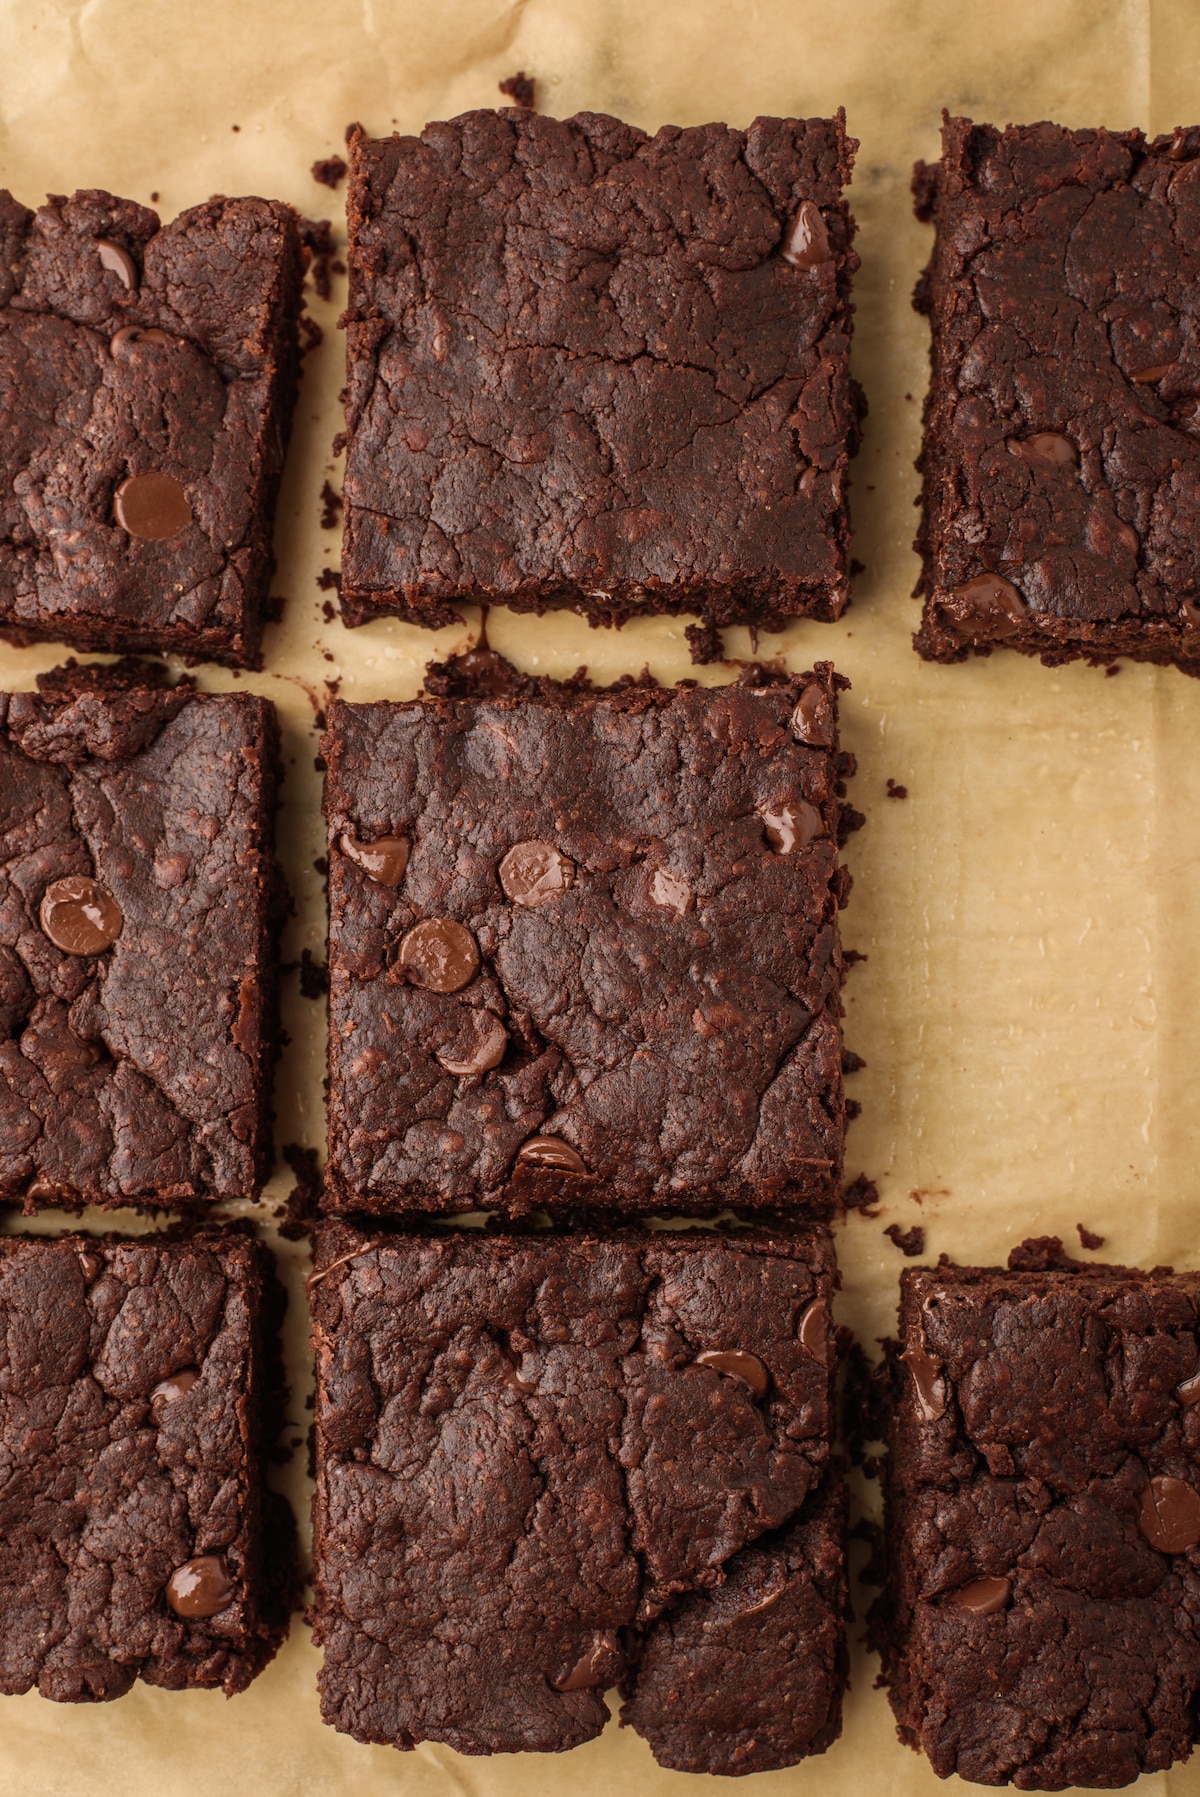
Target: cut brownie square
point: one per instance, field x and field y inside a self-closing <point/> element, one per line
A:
<point x="138" y="906"/>
<point x="138" y="1392"/>
<point x="147" y="377"/>
<point x="1042" y="1626"/>
<point x="549" y="1463"/>
<point x="584" y="949"/>
<point x="595" y="369"/>
<point x="1062" y="430"/>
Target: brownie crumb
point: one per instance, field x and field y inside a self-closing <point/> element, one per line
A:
<point x="301" y="1207"/>
<point x="331" y="505"/>
<point x="316" y="234"/>
<point x="274" y="608"/>
<point x="852" y="956"/>
<point x="910" y="1242"/>
<point x="312" y="334"/>
<point x="1114" y="667"/>
<point x="329" y="580"/>
<point x="895" y="791"/>
<point x="314" y="975"/>
<point x="519" y="89"/>
<point x="851" y="1062"/>
<point x="328" y="610"/>
<point x="321" y="866"/>
<point x="353" y="130"/>
<point x="329" y="171"/>
<point x="705" y="643"/>
<point x="862" y="1194"/>
<point x="1040" y="1254"/>
<point x="154" y="199"/>
<point x="853" y="1109"/>
<point x="1089" y="1238"/>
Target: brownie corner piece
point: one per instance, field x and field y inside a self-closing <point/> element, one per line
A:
<point x="596" y="369"/>
<point x="149" y="374"/>
<point x="1043" y="1522"/>
<point x="584" y="950"/>
<point x="140" y="1540"/>
<point x="1061" y="452"/>
<point x="553" y="1463"/>
<point x="139" y="905"/>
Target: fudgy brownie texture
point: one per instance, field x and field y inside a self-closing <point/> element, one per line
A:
<point x="138" y="907"/>
<point x="137" y="1392"/>
<point x="1042" y="1626"/>
<point x="550" y="1463"/>
<point x="147" y="377"/>
<point x="1062" y="426"/>
<point x="596" y="369"/>
<point x="584" y="949"/>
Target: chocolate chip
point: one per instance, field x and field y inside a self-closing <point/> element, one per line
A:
<point x="152" y="507"/>
<point x="737" y="1363"/>
<point x="792" y="826"/>
<point x="590" y="1670"/>
<point x="927" y="1382"/>
<point x="384" y="860"/>
<point x="1188" y="1392"/>
<point x="983" y="1597"/>
<point x="988" y="606"/>
<point x="479" y="1046"/>
<point x="1045" y="449"/>
<point x="671" y="891"/>
<point x="812" y="720"/>
<point x="79" y="916"/>
<point x="1145" y="376"/>
<point x="169" y="1391"/>
<point x="127" y="340"/>
<point x="808" y="242"/>
<point x="43" y="1190"/>
<point x="114" y="257"/>
<point x="90" y="1265"/>
<point x="813" y="1332"/>
<point x="440" y="955"/>
<point x="1191" y="615"/>
<point x="1170" y="1515"/>
<point x="200" y="1587"/>
<point x="532" y="873"/>
<point x="550" y="1153"/>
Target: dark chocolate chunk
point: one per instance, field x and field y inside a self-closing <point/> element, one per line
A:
<point x="79" y="916"/>
<point x="440" y="955"/>
<point x="200" y="1587"/>
<point x="385" y="859"/>
<point x="737" y="1363"/>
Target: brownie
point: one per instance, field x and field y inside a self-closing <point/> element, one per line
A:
<point x="584" y="950"/>
<point x="551" y="1463"/>
<point x="1062" y="426"/>
<point x="147" y="377"/>
<point x="138" y="908"/>
<point x="596" y="369"/>
<point x="137" y="1389"/>
<point x="1042" y="1626"/>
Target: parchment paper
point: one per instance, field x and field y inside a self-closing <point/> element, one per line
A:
<point x="1029" y="1007"/>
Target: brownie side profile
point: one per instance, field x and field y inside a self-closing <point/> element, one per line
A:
<point x="147" y="379"/>
<point x="1042" y="1624"/>
<point x="139" y="902"/>
<point x="1061" y="452"/>
<point x="550" y="1463"/>
<point x="138" y="1538"/>
<point x="584" y="949"/>
<point x="595" y="369"/>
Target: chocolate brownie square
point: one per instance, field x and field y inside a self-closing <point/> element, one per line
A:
<point x="147" y="377"/>
<point x="596" y="369"/>
<point x="584" y="949"/>
<point x="138" y="1392"/>
<point x="1062" y="426"/>
<point x="138" y="907"/>
<point x="1042" y="1626"/>
<point x="552" y="1463"/>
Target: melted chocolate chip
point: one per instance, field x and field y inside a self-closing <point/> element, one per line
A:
<point x="737" y="1363"/>
<point x="121" y="263"/>
<point x="42" y="1190"/>
<point x="169" y="1391"/>
<point x="1045" y="449"/>
<point x="200" y="1587"/>
<point x="90" y="1265"/>
<point x="927" y="1381"/>
<point x="1191" y="615"/>
<point x="152" y="507"/>
<point x="383" y="860"/>
<point x="551" y="1154"/>
<point x="792" y="826"/>
<point x="767" y="1602"/>
<point x="983" y="1597"/>
<point x="988" y="606"/>
<point x="79" y="916"/>
<point x="1145" y="376"/>
<point x="479" y="1045"/>
<point x="533" y="873"/>
<point x="812" y="720"/>
<point x="808" y="241"/>
<point x="127" y="340"/>
<point x="440" y="955"/>
<point x="1170" y="1515"/>
<point x="671" y="891"/>
<point x="590" y="1669"/>
<point x="1188" y="1392"/>
<point x="813" y="1332"/>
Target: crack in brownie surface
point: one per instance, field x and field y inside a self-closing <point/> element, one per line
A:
<point x="138" y="898"/>
<point x="147" y="376"/>
<point x="596" y="369"/>
<point x="1041" y="1626"/>
<point x="542" y="1467"/>
<point x="606" y="968"/>
<point x="1062" y="436"/>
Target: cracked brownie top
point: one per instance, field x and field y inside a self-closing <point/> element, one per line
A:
<point x="593" y="368"/>
<point x="584" y="948"/>
<point x="137" y="898"/>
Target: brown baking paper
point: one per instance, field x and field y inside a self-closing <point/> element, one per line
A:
<point x="1029" y="1009"/>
